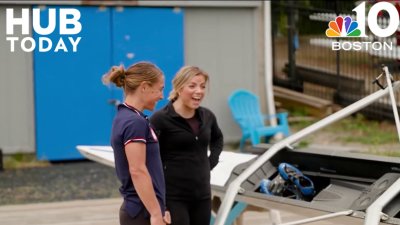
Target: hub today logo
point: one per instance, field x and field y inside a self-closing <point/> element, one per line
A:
<point x="68" y="24"/>
<point x="348" y="28"/>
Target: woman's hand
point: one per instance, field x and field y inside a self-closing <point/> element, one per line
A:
<point x="157" y="220"/>
<point x="167" y="217"/>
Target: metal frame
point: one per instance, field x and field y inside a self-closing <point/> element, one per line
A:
<point x="234" y="213"/>
<point x="319" y="218"/>
<point x="373" y="213"/>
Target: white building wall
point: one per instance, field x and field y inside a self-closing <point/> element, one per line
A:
<point x="222" y="41"/>
<point x="17" y="133"/>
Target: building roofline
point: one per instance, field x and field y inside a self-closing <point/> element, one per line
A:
<point x="185" y="3"/>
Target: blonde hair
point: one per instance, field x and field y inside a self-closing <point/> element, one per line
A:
<point x="131" y="78"/>
<point x="185" y="74"/>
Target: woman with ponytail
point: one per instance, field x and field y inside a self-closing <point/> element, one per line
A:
<point x="136" y="150"/>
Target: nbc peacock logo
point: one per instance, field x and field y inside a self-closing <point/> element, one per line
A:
<point x="343" y="27"/>
<point x="346" y="27"/>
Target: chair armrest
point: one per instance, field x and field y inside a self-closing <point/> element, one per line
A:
<point x="267" y="117"/>
<point x="278" y="115"/>
<point x="282" y="117"/>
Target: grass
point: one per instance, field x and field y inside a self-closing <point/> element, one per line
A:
<point x="22" y="160"/>
<point x="378" y="138"/>
<point x="390" y="153"/>
<point x="358" y="129"/>
<point x="367" y="132"/>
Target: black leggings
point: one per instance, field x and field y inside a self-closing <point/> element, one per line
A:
<point x="190" y="212"/>
<point x="126" y="219"/>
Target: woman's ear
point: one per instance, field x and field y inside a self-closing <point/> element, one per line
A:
<point x="178" y="92"/>
<point x="144" y="85"/>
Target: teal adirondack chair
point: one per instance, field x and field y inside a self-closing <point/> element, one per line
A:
<point x="245" y="108"/>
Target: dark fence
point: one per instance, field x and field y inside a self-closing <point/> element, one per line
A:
<point x="304" y="60"/>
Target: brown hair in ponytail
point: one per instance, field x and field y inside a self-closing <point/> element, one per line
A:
<point x="131" y="78"/>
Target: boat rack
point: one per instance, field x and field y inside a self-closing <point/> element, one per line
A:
<point x="352" y="188"/>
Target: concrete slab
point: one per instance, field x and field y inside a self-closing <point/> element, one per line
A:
<point x="102" y="212"/>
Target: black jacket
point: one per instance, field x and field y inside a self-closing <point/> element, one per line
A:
<point x="184" y="155"/>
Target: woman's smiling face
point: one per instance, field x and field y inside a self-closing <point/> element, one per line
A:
<point x="193" y="92"/>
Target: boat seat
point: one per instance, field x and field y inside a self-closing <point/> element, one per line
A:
<point x="339" y="194"/>
<point x="371" y="193"/>
<point x="253" y="182"/>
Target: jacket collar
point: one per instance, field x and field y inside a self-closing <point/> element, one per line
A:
<point x="171" y="111"/>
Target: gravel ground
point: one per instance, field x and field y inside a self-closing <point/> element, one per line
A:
<point x="58" y="182"/>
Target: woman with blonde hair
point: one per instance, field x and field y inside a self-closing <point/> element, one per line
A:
<point x="186" y="131"/>
<point x="136" y="150"/>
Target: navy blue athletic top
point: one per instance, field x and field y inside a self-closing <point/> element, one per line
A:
<point x="131" y="125"/>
